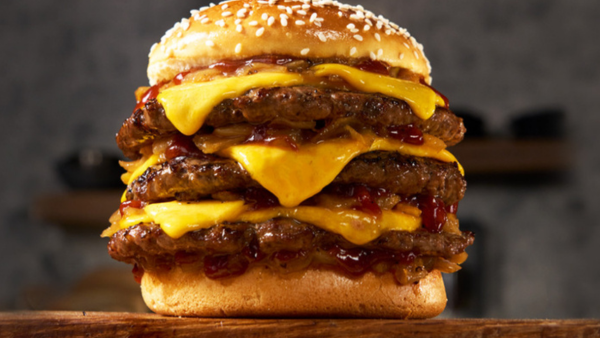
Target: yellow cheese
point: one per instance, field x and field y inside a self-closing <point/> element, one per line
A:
<point x="177" y="218"/>
<point x="130" y="177"/>
<point x="295" y="175"/>
<point x="421" y="99"/>
<point x="188" y="105"/>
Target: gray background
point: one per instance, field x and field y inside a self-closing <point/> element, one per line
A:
<point x="69" y="69"/>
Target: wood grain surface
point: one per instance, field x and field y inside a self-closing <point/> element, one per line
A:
<point x="106" y="324"/>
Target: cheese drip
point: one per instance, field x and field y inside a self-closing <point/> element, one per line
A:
<point x="188" y="105"/>
<point x="295" y="175"/>
<point x="178" y="218"/>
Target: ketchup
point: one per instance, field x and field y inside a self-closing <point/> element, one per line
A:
<point x="260" y="198"/>
<point x="150" y="94"/>
<point x="372" y="66"/>
<point x="359" y="260"/>
<point x="452" y="209"/>
<point x="230" y="66"/>
<point x="408" y="133"/>
<point x="446" y="102"/>
<point x="364" y="196"/>
<point x="260" y="135"/>
<point x="138" y="273"/>
<point x="224" y="266"/>
<point x="182" y="145"/>
<point x="131" y="204"/>
<point x="433" y="213"/>
<point x="177" y="80"/>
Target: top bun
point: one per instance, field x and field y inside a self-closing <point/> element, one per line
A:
<point x="240" y="29"/>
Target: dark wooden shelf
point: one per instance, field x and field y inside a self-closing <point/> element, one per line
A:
<point x="103" y="324"/>
<point x="506" y="156"/>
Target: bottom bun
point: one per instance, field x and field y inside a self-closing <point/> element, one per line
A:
<point x="261" y="292"/>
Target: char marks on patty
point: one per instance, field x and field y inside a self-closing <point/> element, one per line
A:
<point x="190" y="179"/>
<point x="301" y="103"/>
<point x="147" y="242"/>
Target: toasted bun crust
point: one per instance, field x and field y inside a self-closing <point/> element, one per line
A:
<point x="241" y="29"/>
<point x="260" y="292"/>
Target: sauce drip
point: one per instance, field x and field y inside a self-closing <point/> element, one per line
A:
<point x="408" y="133"/>
<point x="364" y="196"/>
<point x="181" y="145"/>
<point x="260" y="198"/>
<point x="446" y="102"/>
<point x="359" y="260"/>
<point x="372" y="66"/>
<point x="138" y="273"/>
<point x="231" y="66"/>
<point x="224" y="266"/>
<point x="260" y="134"/>
<point x="150" y="94"/>
<point x="433" y="212"/>
<point x="131" y="204"/>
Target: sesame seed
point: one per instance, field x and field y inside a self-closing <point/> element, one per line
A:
<point x="203" y="8"/>
<point x="194" y="12"/>
<point x="378" y="37"/>
<point x="380" y="53"/>
<point x="260" y="31"/>
<point x="212" y="4"/>
<point x="322" y="37"/>
<point x="289" y="10"/>
<point x="401" y="56"/>
<point x="406" y="45"/>
<point x="283" y="22"/>
<point x="220" y="23"/>
<point x="367" y="27"/>
<point x="283" y="16"/>
<point x="305" y="51"/>
<point x="242" y="12"/>
<point x="358" y="37"/>
<point x="379" y="24"/>
<point x="239" y="28"/>
<point x="373" y="56"/>
<point x="296" y="6"/>
<point x="301" y="12"/>
<point x="224" y="7"/>
<point x="300" y="22"/>
<point x="388" y="32"/>
<point x="247" y="5"/>
<point x="226" y="14"/>
<point x="340" y="14"/>
<point x="306" y="7"/>
<point x="238" y="21"/>
<point x="264" y="16"/>
<point x="360" y="7"/>
<point x="209" y="43"/>
<point x="313" y="17"/>
<point x="317" y="23"/>
<point x="416" y="54"/>
<point x="253" y="23"/>
<point x="352" y="51"/>
<point x="197" y="17"/>
<point x="351" y="26"/>
<point x="281" y="7"/>
<point x="319" y="19"/>
<point x="185" y="24"/>
<point x="354" y="17"/>
<point x="271" y="21"/>
<point x="204" y="21"/>
<point x="354" y="30"/>
<point x="369" y="22"/>
<point x="238" y="48"/>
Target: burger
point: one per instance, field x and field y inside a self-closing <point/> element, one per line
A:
<point x="289" y="159"/>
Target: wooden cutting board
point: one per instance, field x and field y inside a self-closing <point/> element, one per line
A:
<point x="107" y="324"/>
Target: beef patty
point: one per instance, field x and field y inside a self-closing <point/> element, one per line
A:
<point x="190" y="179"/>
<point x="147" y="243"/>
<point x="295" y="104"/>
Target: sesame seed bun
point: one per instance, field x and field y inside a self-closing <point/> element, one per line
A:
<point x="260" y="292"/>
<point x="240" y="29"/>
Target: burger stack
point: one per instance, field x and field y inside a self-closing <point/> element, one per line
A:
<point x="289" y="159"/>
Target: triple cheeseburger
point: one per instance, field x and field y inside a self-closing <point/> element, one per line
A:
<point x="289" y="159"/>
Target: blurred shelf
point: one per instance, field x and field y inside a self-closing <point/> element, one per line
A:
<point x="78" y="210"/>
<point x="506" y="156"/>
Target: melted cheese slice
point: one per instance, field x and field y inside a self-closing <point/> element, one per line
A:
<point x="187" y="105"/>
<point x="421" y="99"/>
<point x="295" y="175"/>
<point x="128" y="177"/>
<point x="177" y="218"/>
